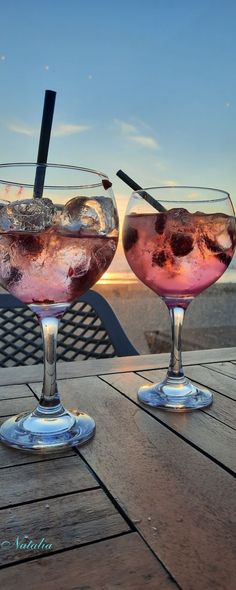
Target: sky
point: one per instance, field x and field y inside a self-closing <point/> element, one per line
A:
<point x="149" y="87"/>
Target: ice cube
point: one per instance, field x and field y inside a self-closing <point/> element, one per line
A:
<point x="179" y="220"/>
<point x="232" y="230"/>
<point x="180" y="216"/>
<point x="13" y="276"/>
<point x="79" y="273"/>
<point x="31" y="215"/>
<point x="161" y="258"/>
<point x="81" y="267"/>
<point x="103" y="254"/>
<point x="224" y="240"/>
<point x="226" y="237"/>
<point x="218" y="231"/>
<point x="88" y="216"/>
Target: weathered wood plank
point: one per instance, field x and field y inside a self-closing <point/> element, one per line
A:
<point x="25" y="483"/>
<point x="176" y="495"/>
<point x="123" y="562"/>
<point x="223" y="368"/>
<point x="223" y="408"/>
<point x="11" y="457"/>
<point x="210" y="435"/>
<point x="210" y="378"/>
<point x="10" y="407"/>
<point x="34" y="373"/>
<point x="63" y="522"/>
<point x="14" y="391"/>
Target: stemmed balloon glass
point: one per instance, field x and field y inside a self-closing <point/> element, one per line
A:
<point x="178" y="241"/>
<point x="58" y="235"/>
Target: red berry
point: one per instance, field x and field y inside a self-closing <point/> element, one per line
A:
<point x="130" y="238"/>
<point x="106" y="183"/>
<point x="159" y="258"/>
<point x="181" y="244"/>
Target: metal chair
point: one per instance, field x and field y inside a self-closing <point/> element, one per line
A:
<point x="88" y="329"/>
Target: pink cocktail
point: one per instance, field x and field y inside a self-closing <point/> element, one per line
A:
<point x="178" y="252"/>
<point x="48" y="268"/>
<point x="57" y="237"/>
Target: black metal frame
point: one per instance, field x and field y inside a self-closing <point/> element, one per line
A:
<point x="88" y="329"/>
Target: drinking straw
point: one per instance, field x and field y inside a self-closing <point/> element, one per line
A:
<point x="130" y="182"/>
<point x="46" y="126"/>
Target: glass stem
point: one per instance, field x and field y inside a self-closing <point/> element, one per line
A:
<point x="175" y="367"/>
<point x="50" y="398"/>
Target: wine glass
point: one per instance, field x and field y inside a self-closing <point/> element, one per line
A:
<point x="178" y="240"/>
<point x="58" y="235"/>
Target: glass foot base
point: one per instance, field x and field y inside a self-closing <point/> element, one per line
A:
<point x="37" y="432"/>
<point x="175" y="396"/>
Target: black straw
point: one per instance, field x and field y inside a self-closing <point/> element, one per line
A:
<point x="130" y="182"/>
<point x="45" y="133"/>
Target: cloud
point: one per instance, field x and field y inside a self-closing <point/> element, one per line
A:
<point x="170" y="183"/>
<point x="22" y="129"/>
<point x="68" y="129"/>
<point x="125" y="127"/>
<point x="145" y="140"/>
<point x="132" y="133"/>
<point x="58" y="131"/>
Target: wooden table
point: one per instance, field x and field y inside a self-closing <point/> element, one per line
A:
<point x="148" y="503"/>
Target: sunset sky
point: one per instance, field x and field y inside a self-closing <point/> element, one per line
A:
<point x="149" y="87"/>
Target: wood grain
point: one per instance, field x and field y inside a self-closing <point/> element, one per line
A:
<point x="210" y="435"/>
<point x="11" y="457"/>
<point x="10" y="407"/>
<point x="183" y="503"/>
<point x="63" y="522"/>
<point x="34" y="373"/>
<point x="124" y="562"/>
<point x="25" y="483"/>
<point x="14" y="391"/>
<point x="224" y="368"/>
<point x="210" y="378"/>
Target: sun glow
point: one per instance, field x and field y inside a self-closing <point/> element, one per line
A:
<point x="117" y="278"/>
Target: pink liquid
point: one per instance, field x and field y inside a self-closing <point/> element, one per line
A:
<point x="178" y="254"/>
<point x="48" y="267"/>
